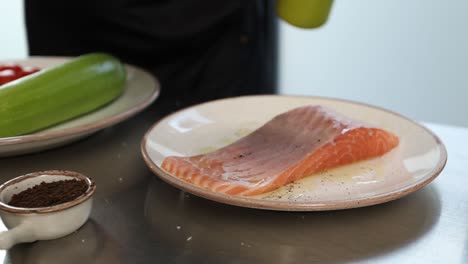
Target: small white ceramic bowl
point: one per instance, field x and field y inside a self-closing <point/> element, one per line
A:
<point x="43" y="223"/>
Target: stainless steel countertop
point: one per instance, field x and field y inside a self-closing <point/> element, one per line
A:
<point x="137" y="218"/>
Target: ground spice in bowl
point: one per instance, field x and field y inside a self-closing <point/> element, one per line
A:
<point x="48" y="194"/>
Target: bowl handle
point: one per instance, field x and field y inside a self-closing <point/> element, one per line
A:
<point x="19" y="234"/>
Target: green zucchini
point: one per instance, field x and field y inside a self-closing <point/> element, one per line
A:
<point x="60" y="93"/>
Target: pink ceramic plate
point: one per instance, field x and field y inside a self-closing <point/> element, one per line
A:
<point x="418" y="159"/>
<point x="141" y="90"/>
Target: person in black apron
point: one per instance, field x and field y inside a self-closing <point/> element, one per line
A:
<point x="199" y="50"/>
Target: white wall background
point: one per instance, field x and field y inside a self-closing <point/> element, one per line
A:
<point x="12" y="33"/>
<point x="408" y="56"/>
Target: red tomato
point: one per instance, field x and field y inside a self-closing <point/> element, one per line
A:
<point x="16" y="68"/>
<point x="7" y="75"/>
<point x="8" y="66"/>
<point x="29" y="70"/>
<point x="10" y="72"/>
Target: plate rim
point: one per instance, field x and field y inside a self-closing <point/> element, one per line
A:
<point x="90" y="127"/>
<point x="291" y="205"/>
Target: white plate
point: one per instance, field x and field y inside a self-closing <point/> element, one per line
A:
<point x="140" y="91"/>
<point x="418" y="159"/>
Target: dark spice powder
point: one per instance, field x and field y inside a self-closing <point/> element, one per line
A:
<point x="49" y="194"/>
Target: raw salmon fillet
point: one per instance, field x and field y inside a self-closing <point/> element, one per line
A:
<point x="293" y="145"/>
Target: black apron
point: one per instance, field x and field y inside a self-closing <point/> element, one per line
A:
<point x="199" y="50"/>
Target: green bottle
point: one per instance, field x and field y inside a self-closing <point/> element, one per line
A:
<point x="304" y="13"/>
